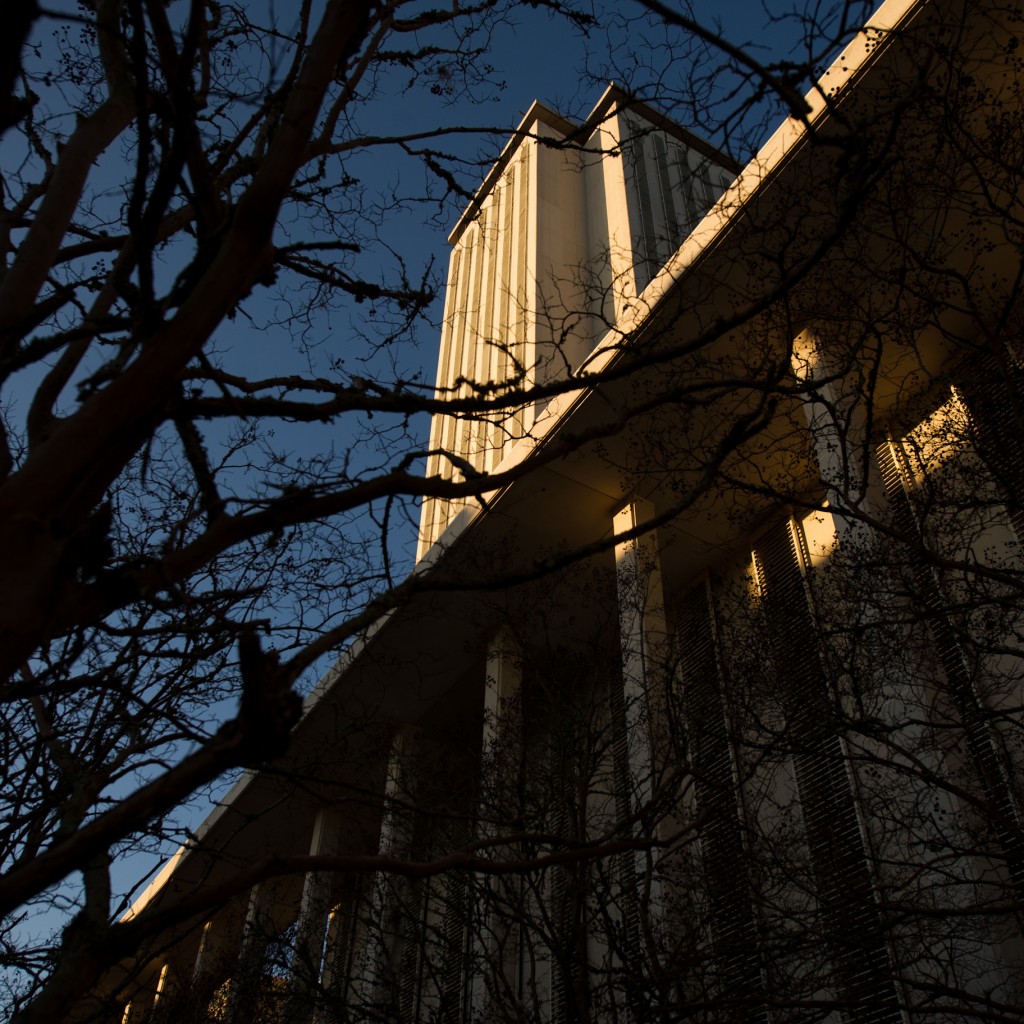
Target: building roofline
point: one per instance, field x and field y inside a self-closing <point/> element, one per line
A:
<point x="613" y="99"/>
<point x="537" y="112"/>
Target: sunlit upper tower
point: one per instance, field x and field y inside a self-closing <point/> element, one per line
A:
<point x="564" y="234"/>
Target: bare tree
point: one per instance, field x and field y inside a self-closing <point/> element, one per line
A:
<point x="181" y="228"/>
<point x="171" y="552"/>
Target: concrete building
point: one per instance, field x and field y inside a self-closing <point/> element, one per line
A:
<point x="706" y="704"/>
<point x="566" y="231"/>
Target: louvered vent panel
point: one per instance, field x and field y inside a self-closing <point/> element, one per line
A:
<point x="1003" y="812"/>
<point x="411" y="956"/>
<point x="857" y="940"/>
<point x="625" y="863"/>
<point x="995" y="400"/>
<point x="456" y="927"/>
<point x="523" y="258"/>
<point x="649" y="261"/>
<point x="672" y="232"/>
<point x="725" y="862"/>
<point x="686" y="180"/>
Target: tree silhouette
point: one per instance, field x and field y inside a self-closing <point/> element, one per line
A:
<point x="786" y="787"/>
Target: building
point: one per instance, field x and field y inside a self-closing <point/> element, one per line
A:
<point x="715" y="637"/>
<point x="568" y="228"/>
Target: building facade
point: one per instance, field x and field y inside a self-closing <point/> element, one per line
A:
<point x="709" y="707"/>
<point x="563" y="236"/>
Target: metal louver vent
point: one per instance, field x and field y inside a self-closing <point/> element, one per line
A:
<point x="625" y="863"/>
<point x="672" y="232"/>
<point x="724" y="857"/>
<point x="410" y="957"/>
<point x="856" y="938"/>
<point x="563" y="900"/>
<point x="523" y="175"/>
<point x="994" y="396"/>
<point x="1002" y="808"/>
<point x="454" y="974"/>
<point x="649" y="261"/>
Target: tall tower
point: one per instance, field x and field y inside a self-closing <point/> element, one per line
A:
<point x="567" y="230"/>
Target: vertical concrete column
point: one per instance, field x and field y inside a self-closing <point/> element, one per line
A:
<point x="502" y="736"/>
<point x="499" y="783"/>
<point x="162" y="990"/>
<point x="381" y="953"/>
<point x="644" y="643"/>
<point x="609" y="140"/>
<point x="312" y="922"/>
<point x="148" y="1004"/>
<point x="345" y="932"/>
<point x="245" y="982"/>
<point x="203" y="953"/>
<point x="637" y="721"/>
<point x="838" y="427"/>
<point x="841" y="545"/>
<point x="217" y="947"/>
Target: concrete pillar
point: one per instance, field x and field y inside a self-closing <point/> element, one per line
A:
<point x="215" y="960"/>
<point x="245" y="982"/>
<point x="381" y="966"/>
<point x="608" y="139"/>
<point x="203" y="953"/>
<point x="637" y="721"/>
<point x="837" y="421"/>
<point x="502" y="736"/>
<point x="346" y="932"/>
<point x="644" y="642"/>
<point x="161" y="984"/>
<point x="314" y="908"/>
<point x="494" y="951"/>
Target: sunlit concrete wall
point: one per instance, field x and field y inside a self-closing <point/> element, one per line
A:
<point x="567" y="230"/>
